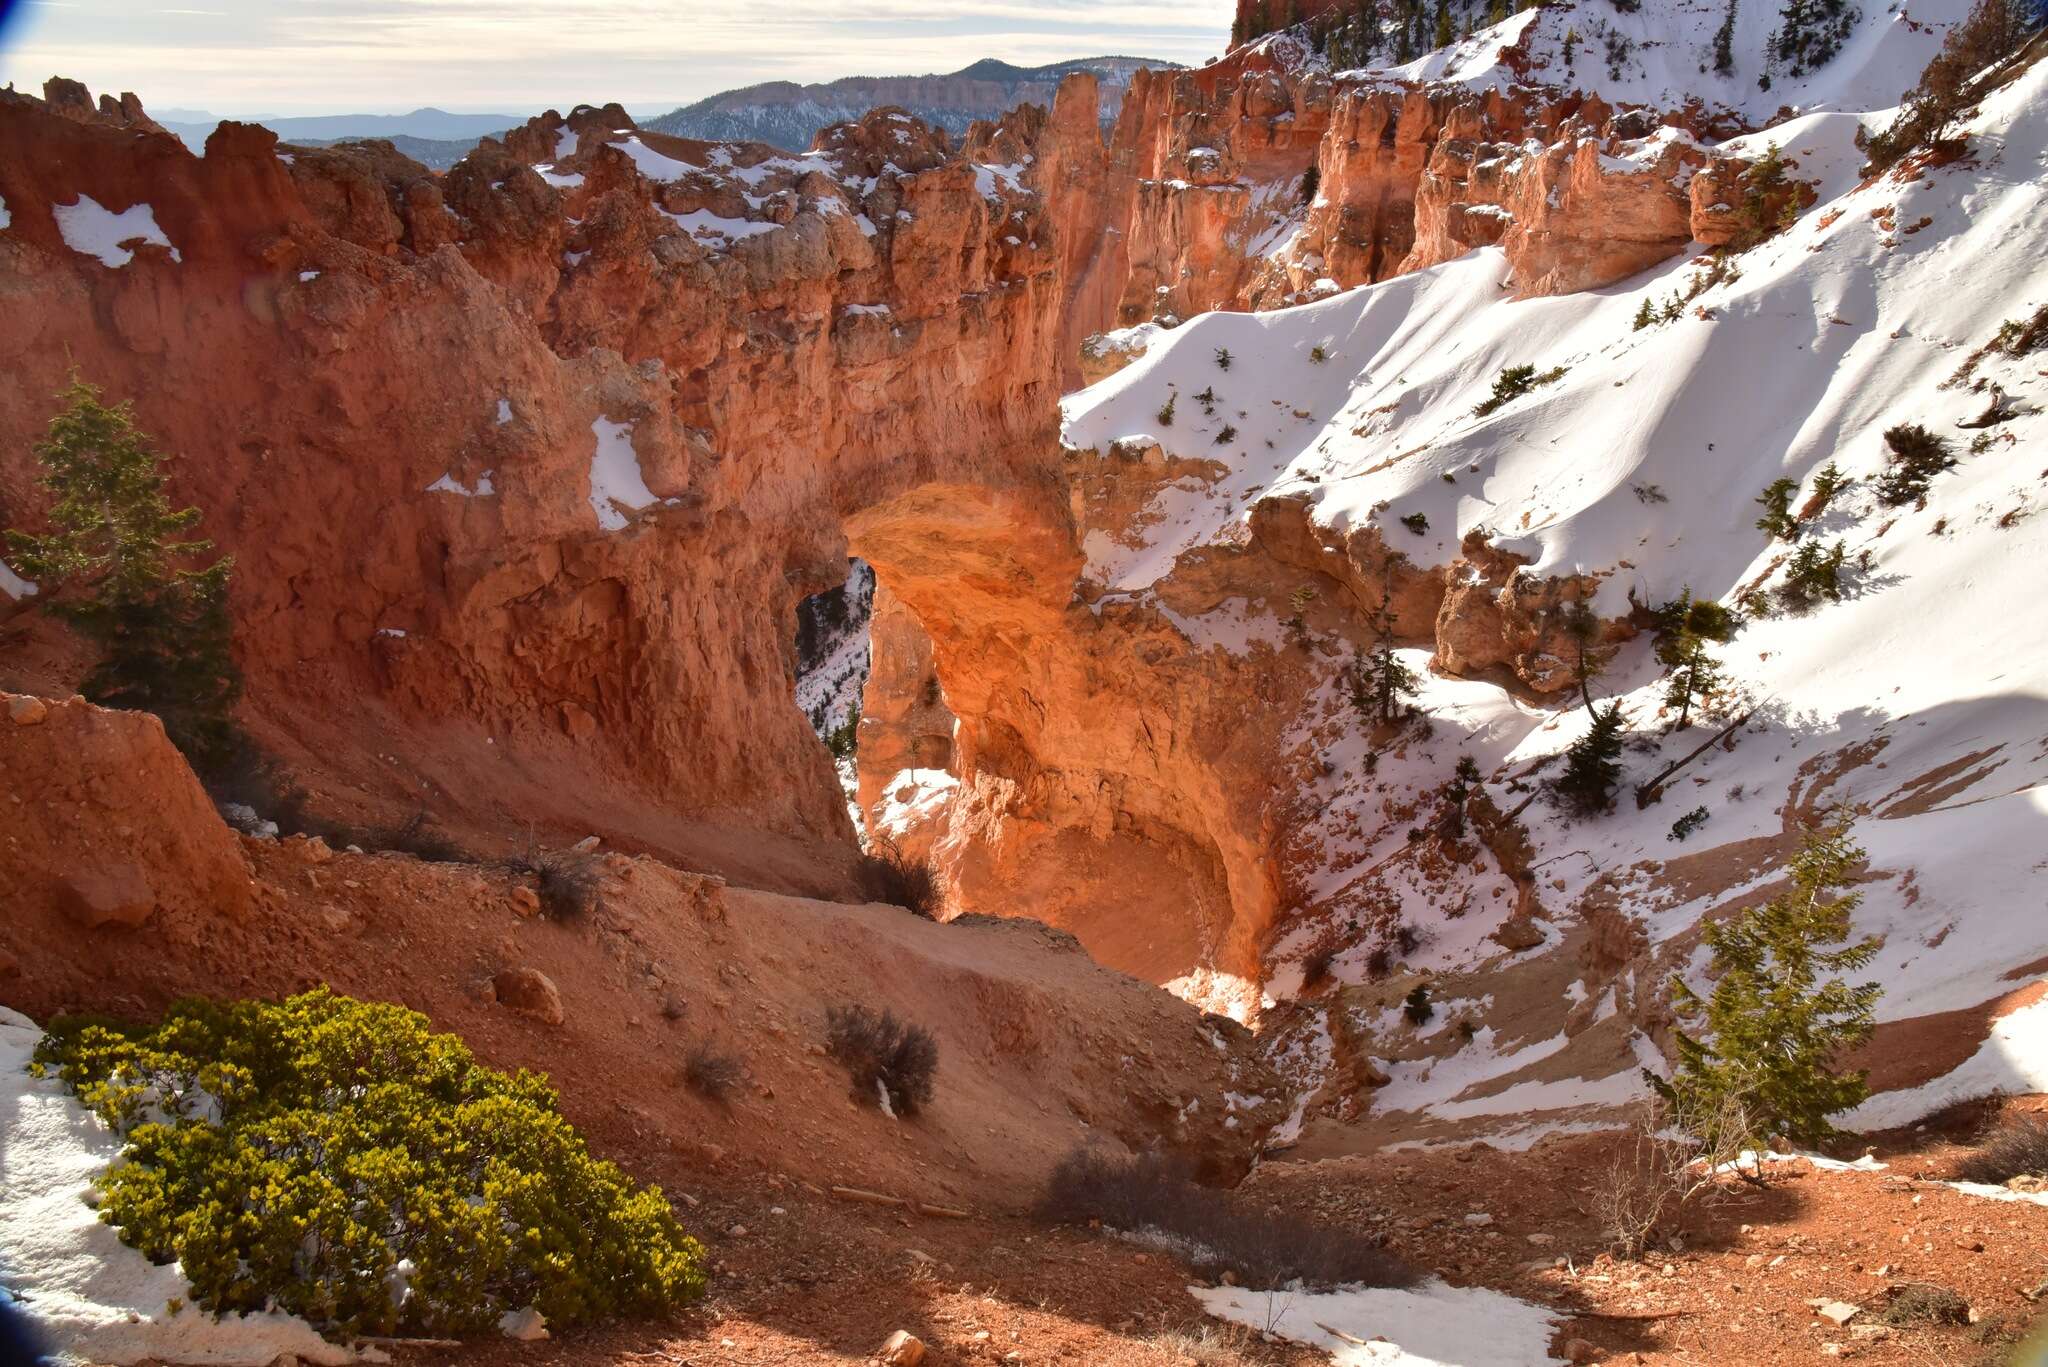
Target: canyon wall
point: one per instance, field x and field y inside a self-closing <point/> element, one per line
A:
<point x="526" y="466"/>
<point x="524" y="470"/>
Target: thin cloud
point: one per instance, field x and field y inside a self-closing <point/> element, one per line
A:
<point x="518" y="56"/>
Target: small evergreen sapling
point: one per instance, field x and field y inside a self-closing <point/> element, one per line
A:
<point x="1645" y="314"/>
<point x="1780" y="1012"/>
<point x="1777" y="520"/>
<point x="1166" y="410"/>
<point x="1813" y="574"/>
<point x="123" y="573"/>
<point x="1417" y="1007"/>
<point x="1916" y="457"/>
<point x="1592" y="765"/>
<point x="1224" y="358"/>
<point x="1687" y="627"/>
<point x="1297" y="625"/>
<point x="1827" y="484"/>
<point x="1687" y="824"/>
<point x="1380" y="683"/>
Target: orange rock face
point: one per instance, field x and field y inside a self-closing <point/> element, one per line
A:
<point x="531" y="467"/>
<point x="526" y="466"/>
<point x="104" y="823"/>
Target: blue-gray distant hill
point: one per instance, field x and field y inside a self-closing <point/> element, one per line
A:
<point x="433" y="136"/>
<point x="787" y="115"/>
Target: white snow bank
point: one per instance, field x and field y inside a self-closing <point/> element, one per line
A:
<point x="651" y="163"/>
<point x="93" y="1297"/>
<point x="719" y="231"/>
<point x="615" y="478"/>
<point x="13" y="585"/>
<point x="2014" y="1058"/>
<point x="561" y="180"/>
<point x="92" y="229"/>
<point x="1431" y="1325"/>
<point x="504" y="412"/>
<point x="5" y="218"/>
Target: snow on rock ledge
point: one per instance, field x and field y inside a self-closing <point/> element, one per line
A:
<point x="1430" y="1325"/>
<point x="93" y="1297"/>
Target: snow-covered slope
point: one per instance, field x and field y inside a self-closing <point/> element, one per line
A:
<point x="1920" y="700"/>
<point x="1665" y="55"/>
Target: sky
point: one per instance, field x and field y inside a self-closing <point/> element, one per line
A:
<point x="279" y="57"/>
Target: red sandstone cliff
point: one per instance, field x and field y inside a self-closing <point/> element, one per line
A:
<point x="526" y="466"/>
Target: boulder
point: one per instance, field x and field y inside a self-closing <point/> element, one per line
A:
<point x="111" y="894"/>
<point x="530" y="992"/>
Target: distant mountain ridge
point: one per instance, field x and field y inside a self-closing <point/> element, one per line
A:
<point x="782" y="113"/>
<point x="427" y="124"/>
<point x="787" y="115"/>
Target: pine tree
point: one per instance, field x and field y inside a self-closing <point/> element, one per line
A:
<point x="1645" y="315"/>
<point x="1779" y="1014"/>
<point x="1777" y="520"/>
<point x="1724" y="43"/>
<point x="1686" y="629"/>
<point x="1593" y="764"/>
<point x="1590" y="661"/>
<point x="1446" y="32"/>
<point x="1380" y="682"/>
<point x="119" y="572"/>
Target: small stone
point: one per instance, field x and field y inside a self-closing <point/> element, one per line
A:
<point x="528" y="1325"/>
<point x="903" y="1349"/>
<point x="525" y="901"/>
<point x="1970" y="1245"/>
<point x="1478" y="1219"/>
<point x="585" y="846"/>
<point x="1541" y="1240"/>
<point x="982" y="1336"/>
<point x="738" y="1231"/>
<point x="27" y="711"/>
<point x="1838" y="1313"/>
<point x="1578" y="1350"/>
<point x="1141" y="1258"/>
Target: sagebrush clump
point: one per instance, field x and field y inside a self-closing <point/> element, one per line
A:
<point x="890" y="1061"/>
<point x="297" y="1153"/>
<point x="887" y="874"/>
<point x="1914" y="457"/>
<point x="2018" y="1148"/>
<point x="1151" y="1195"/>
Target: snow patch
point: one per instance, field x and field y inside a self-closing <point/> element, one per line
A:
<point x="91" y="229"/>
<point x="13" y="585"/>
<point x="615" y="478"/>
<point x="447" y="484"/>
<point x="2013" y="1059"/>
<point x="1430" y="1325"/>
<point x="94" y="1297"/>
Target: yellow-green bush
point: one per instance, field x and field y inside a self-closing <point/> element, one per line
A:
<point x="341" y="1160"/>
